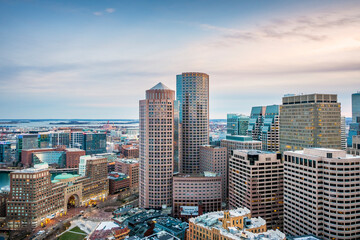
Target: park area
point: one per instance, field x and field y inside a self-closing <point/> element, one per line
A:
<point x="73" y="234"/>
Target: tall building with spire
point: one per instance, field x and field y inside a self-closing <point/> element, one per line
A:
<point x="156" y="147"/>
<point x="192" y="92"/>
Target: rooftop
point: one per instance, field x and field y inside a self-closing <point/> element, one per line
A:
<point x="160" y="86"/>
<point x="202" y="174"/>
<point x="323" y="152"/>
<point x="161" y="236"/>
<point x="240" y="138"/>
<point x="66" y="176"/>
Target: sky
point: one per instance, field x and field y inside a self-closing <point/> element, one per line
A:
<point x="95" y="59"/>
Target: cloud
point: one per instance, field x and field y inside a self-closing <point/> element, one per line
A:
<point x="106" y="11"/>
<point x="110" y="10"/>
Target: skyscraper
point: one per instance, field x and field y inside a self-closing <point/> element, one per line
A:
<point x="312" y="120"/>
<point x="355" y="103"/>
<point x="156" y="147"/>
<point x="192" y="91"/>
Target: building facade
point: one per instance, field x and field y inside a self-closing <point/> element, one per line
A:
<point x="34" y="198"/>
<point x="26" y="141"/>
<point x="355" y="105"/>
<point x="201" y="190"/>
<point x="94" y="143"/>
<point x="118" y="182"/>
<point x="237" y="124"/>
<point x="156" y="147"/>
<point x="234" y="224"/>
<point x="269" y="131"/>
<point x="239" y="142"/>
<point x="321" y="192"/>
<point x="256" y="182"/>
<point x="355" y="148"/>
<point x="5" y="151"/>
<point x="131" y="168"/>
<point x="192" y="92"/>
<point x="214" y="159"/>
<point x="312" y="120"/>
<point x="255" y="122"/>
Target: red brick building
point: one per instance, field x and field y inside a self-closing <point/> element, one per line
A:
<point x="131" y="168"/>
<point x="118" y="182"/>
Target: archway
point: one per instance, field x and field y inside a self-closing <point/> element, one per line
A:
<point x="73" y="201"/>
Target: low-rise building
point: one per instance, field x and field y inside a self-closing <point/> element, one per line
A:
<point x="199" y="190"/>
<point x="231" y="225"/>
<point x="118" y="182"/>
<point x="131" y="168"/>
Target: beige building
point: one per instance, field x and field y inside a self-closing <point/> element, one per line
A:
<point x="156" y="147"/>
<point x="201" y="190"/>
<point x="321" y="193"/>
<point x="131" y="168"/>
<point x="256" y="182"/>
<point x="312" y="120"/>
<point x="192" y="92"/>
<point x="234" y="224"/>
<point x="214" y="159"/>
<point x="239" y="142"/>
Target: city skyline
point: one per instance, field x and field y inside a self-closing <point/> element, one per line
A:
<point x="72" y="60"/>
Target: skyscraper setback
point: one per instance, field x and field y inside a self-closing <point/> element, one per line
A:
<point x="156" y="147"/>
<point x="193" y="96"/>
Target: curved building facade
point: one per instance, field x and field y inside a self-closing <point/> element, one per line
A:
<point x="193" y="96"/>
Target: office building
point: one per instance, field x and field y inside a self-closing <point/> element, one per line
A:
<point x="237" y="124"/>
<point x="131" y="168"/>
<point x="5" y="151"/>
<point x="255" y="122"/>
<point x="94" y="143"/>
<point x="130" y="151"/>
<point x="354" y="130"/>
<point x="198" y="190"/>
<point x="355" y="104"/>
<point x="156" y="147"/>
<point x="269" y="131"/>
<point x="355" y="148"/>
<point x="59" y="139"/>
<point x="44" y="140"/>
<point x="77" y="139"/>
<point x="312" y="120"/>
<point x="239" y="142"/>
<point x="214" y="159"/>
<point x="192" y="92"/>
<point x="34" y="198"/>
<point x="26" y="141"/>
<point x="234" y="224"/>
<point x="321" y="193"/>
<point x="256" y="182"/>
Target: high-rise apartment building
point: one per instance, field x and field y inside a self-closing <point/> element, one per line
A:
<point x="214" y="159"/>
<point x="156" y="147"/>
<point x="269" y="131"/>
<point x="355" y="103"/>
<point x="198" y="190"/>
<point x="192" y="92"/>
<point x="256" y="182"/>
<point x="321" y="193"/>
<point x="255" y="122"/>
<point x="312" y="120"/>
<point x="237" y="124"/>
